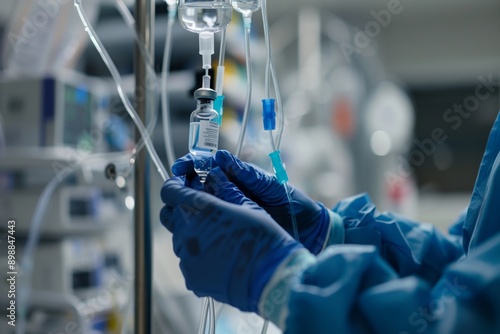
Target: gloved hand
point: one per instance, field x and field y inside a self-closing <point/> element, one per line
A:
<point x="318" y="227"/>
<point x="229" y="247"/>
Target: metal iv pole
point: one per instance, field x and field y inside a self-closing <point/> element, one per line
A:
<point x="144" y="16"/>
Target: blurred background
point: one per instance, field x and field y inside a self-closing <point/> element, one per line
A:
<point x="393" y="98"/>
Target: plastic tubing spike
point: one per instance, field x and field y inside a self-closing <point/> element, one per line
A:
<point x="206" y="48"/>
<point x="172" y="10"/>
<point x="279" y="167"/>
<point x="247" y="22"/>
<point x="218" y="107"/>
<point x="268" y="114"/>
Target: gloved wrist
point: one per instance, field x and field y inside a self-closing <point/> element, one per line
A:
<point x="336" y="233"/>
<point x="328" y="229"/>
<point x="273" y="303"/>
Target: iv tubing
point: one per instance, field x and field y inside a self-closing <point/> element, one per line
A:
<point x="127" y="310"/>
<point x="270" y="69"/>
<point x="275" y="146"/>
<point x="130" y="21"/>
<point x="203" y="321"/>
<point x="292" y="212"/>
<point x="219" y="83"/>
<point x="211" y="307"/>
<point x="165" y="105"/>
<point x="116" y="76"/>
<point x="279" y="170"/>
<point x="2" y="139"/>
<point x="222" y="50"/>
<point x="208" y="309"/>
<point x="264" y="327"/>
<point x="128" y="105"/>
<point x="248" y="98"/>
<point x="26" y="264"/>
<point x="220" y="66"/>
<point x="37" y="221"/>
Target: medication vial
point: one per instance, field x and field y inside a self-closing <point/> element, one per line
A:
<point x="204" y="132"/>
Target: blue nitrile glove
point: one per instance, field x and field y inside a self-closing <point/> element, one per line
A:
<point x="318" y="227"/>
<point x="229" y="247"/>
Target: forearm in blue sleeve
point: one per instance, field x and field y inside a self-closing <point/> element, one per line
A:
<point x="408" y="246"/>
<point x="351" y="289"/>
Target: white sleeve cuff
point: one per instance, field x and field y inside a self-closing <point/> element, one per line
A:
<point x="336" y="232"/>
<point x="273" y="303"/>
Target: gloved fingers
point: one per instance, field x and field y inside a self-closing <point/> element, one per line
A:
<point x="219" y="185"/>
<point x="255" y="183"/>
<point x="214" y="180"/>
<point x="184" y="166"/>
<point x="167" y="218"/>
<point x="191" y="267"/>
<point x="174" y="193"/>
<point x="167" y="187"/>
<point x="234" y="167"/>
<point x="194" y="183"/>
<point x="179" y="201"/>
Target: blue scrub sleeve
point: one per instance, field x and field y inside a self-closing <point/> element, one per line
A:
<point x="410" y="247"/>
<point x="482" y="219"/>
<point x="351" y="289"/>
<point x="412" y="278"/>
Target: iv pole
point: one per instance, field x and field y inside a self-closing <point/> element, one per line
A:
<point x="145" y="12"/>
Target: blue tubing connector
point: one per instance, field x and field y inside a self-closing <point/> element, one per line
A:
<point x="279" y="167"/>
<point x="268" y="115"/>
<point x="218" y="107"/>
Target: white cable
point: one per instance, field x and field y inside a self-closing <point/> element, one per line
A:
<point x="126" y="101"/>
<point x="211" y="305"/>
<point x="128" y="309"/>
<point x="3" y="144"/>
<point x="127" y="16"/>
<point x="248" y="97"/>
<point x="220" y="66"/>
<point x="264" y="327"/>
<point x="204" y="315"/>
<point x="271" y="72"/>
<point x="26" y="264"/>
<point x="165" y="105"/>
<point x="130" y="22"/>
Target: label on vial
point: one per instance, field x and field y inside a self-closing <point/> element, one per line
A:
<point x="209" y="135"/>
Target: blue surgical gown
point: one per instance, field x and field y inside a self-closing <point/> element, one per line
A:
<point x="398" y="276"/>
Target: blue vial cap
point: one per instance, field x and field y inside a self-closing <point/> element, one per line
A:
<point x="279" y="167"/>
<point x="218" y="107"/>
<point x="268" y="114"/>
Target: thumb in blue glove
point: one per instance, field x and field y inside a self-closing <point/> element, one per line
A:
<point x="228" y="246"/>
<point x="318" y="227"/>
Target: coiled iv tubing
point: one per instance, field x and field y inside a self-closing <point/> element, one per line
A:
<point x="117" y="77"/>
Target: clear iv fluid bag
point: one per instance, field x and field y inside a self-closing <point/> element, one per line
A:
<point x="246" y="7"/>
<point x="201" y="15"/>
<point x="203" y="136"/>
